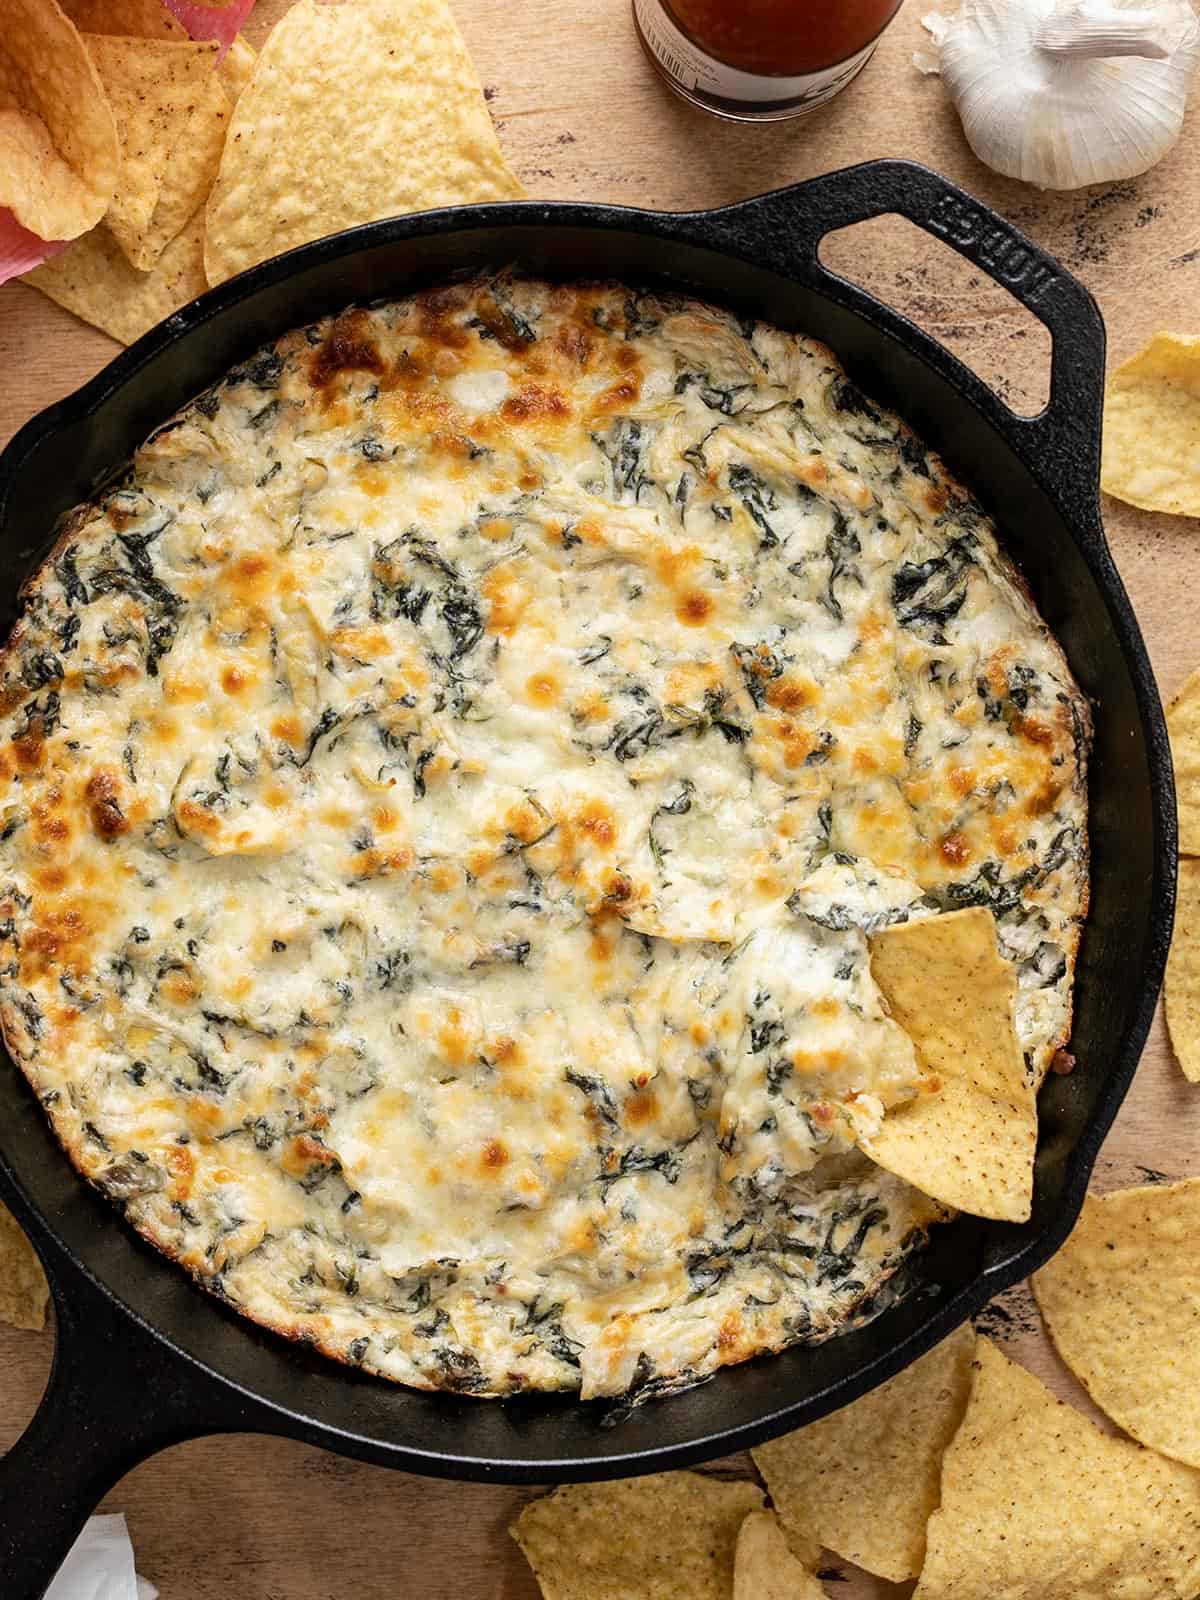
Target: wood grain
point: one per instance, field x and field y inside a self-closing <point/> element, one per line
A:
<point x="582" y="115"/>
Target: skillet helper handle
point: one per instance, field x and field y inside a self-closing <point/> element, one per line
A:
<point x="1064" y="438"/>
<point x="114" y="1398"/>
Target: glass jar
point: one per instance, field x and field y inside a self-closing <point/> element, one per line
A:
<point x="760" y="60"/>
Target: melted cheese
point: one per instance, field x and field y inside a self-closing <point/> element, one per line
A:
<point x="447" y="788"/>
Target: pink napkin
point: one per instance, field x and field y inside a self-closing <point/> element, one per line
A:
<point x="20" y="249"/>
<point x="211" y="22"/>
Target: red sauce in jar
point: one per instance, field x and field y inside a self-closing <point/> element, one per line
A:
<point x="782" y="36"/>
<point x="760" y="59"/>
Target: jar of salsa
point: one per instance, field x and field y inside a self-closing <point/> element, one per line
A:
<point x="758" y="60"/>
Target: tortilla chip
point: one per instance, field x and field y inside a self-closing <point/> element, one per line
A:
<point x="1151" y="455"/>
<point x="764" y="1568"/>
<point x="1037" y="1502"/>
<point x="653" y="1538"/>
<point x="193" y="168"/>
<point x="24" y="1293"/>
<point x="58" y="139"/>
<point x="171" y="114"/>
<point x="134" y="19"/>
<point x="354" y="112"/>
<point x="864" y="1481"/>
<point x="237" y="68"/>
<point x="970" y="1141"/>
<point x="1183" y="725"/>
<point x="94" y="280"/>
<point x="1122" y="1302"/>
<point x="190" y="174"/>
<point x="1181" y="991"/>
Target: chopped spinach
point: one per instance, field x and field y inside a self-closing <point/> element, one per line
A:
<point x="459" y="1371"/>
<point x="42" y="668"/>
<point x="595" y="652"/>
<point x="68" y="575"/>
<point x="633" y="736"/>
<point x="463" y="621"/>
<point x="758" y="499"/>
<point x="927" y="595"/>
<point x="758" y="665"/>
<point x="679" y="806"/>
<point x="1048" y="964"/>
<point x="599" y="1095"/>
<point x="841" y="545"/>
<point x="624" y="446"/>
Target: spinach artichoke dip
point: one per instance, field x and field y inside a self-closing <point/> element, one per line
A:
<point x="449" y="782"/>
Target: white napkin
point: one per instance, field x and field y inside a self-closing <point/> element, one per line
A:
<point x="100" y="1566"/>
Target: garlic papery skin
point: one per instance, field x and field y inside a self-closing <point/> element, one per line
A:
<point x="1066" y="93"/>
<point x="1089" y="28"/>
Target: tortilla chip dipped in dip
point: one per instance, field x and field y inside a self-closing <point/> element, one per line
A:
<point x="969" y="1141"/>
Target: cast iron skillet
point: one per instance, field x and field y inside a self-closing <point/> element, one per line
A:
<point x="144" y="1358"/>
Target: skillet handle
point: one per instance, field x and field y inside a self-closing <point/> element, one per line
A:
<point x="114" y="1398"/>
<point x="1061" y="443"/>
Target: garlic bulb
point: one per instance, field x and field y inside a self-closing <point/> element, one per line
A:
<point x="1063" y="93"/>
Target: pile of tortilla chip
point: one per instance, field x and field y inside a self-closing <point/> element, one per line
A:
<point x="964" y="1472"/>
<point x="164" y="100"/>
<point x="171" y="157"/>
<point x="59" y="153"/>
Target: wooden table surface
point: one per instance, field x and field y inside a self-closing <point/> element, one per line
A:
<point x="581" y="115"/>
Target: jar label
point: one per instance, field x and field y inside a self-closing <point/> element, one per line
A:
<point x="699" y="73"/>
